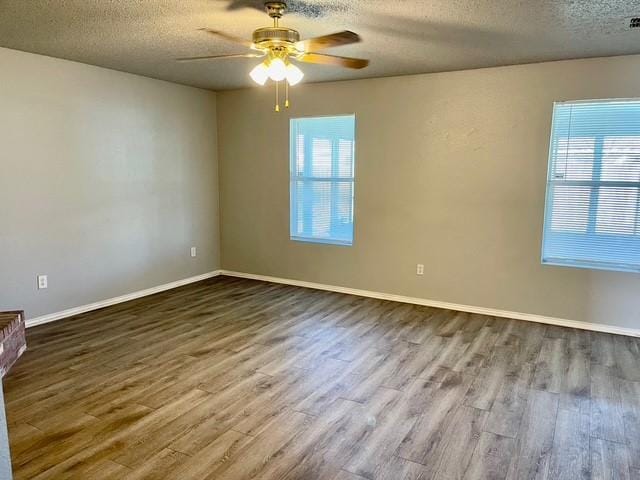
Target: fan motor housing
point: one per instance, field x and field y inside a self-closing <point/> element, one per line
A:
<point x="275" y="35"/>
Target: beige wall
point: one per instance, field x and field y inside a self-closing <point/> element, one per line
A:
<point x="450" y="172"/>
<point x="106" y="181"/>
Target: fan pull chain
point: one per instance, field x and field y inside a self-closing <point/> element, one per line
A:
<point x="286" y="89"/>
<point x="277" y="97"/>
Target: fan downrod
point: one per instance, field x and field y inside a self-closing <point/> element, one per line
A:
<point x="275" y="9"/>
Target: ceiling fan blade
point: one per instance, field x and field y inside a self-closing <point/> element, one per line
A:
<point x="327" y="41"/>
<point x="228" y="37"/>
<point x="213" y="57"/>
<point x="323" y="59"/>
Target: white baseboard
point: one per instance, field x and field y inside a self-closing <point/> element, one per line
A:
<point x="529" y="317"/>
<point x="52" y="317"/>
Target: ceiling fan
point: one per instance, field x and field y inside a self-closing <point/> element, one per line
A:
<point x="280" y="45"/>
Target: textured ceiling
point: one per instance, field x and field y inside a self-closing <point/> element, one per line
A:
<point x="399" y="36"/>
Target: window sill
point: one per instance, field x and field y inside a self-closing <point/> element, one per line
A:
<point x="325" y="241"/>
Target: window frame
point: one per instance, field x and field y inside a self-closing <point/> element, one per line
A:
<point x="294" y="178"/>
<point x="595" y="187"/>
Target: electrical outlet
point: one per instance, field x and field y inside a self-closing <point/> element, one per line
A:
<point x="43" y="282"/>
<point x="419" y="269"/>
<point x="194" y="251"/>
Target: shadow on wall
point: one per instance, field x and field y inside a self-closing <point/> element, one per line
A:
<point x="421" y="29"/>
<point x="309" y="9"/>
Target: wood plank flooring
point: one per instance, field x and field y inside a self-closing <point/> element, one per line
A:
<point x="233" y="379"/>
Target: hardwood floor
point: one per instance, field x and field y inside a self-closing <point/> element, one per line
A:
<point x="234" y="379"/>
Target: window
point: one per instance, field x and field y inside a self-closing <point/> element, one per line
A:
<point x="592" y="217"/>
<point x="322" y="168"/>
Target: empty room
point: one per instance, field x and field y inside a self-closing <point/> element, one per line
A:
<point x="319" y="240"/>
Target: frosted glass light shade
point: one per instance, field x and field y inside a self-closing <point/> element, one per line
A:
<point x="294" y="74"/>
<point x="260" y="74"/>
<point x="277" y="70"/>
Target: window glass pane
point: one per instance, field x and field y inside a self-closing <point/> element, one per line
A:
<point x="570" y="208"/>
<point x="575" y="158"/>
<point x="299" y="208"/>
<point x="300" y="155"/>
<point x="621" y="159"/>
<point x="617" y="211"/>
<point x="344" y="203"/>
<point x="321" y="161"/>
<point x="345" y="158"/>
<point x="321" y="209"/>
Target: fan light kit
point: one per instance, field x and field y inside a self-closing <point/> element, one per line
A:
<point x="280" y="47"/>
<point x="276" y="70"/>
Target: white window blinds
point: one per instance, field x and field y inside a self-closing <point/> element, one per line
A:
<point x="592" y="216"/>
<point x="322" y="172"/>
